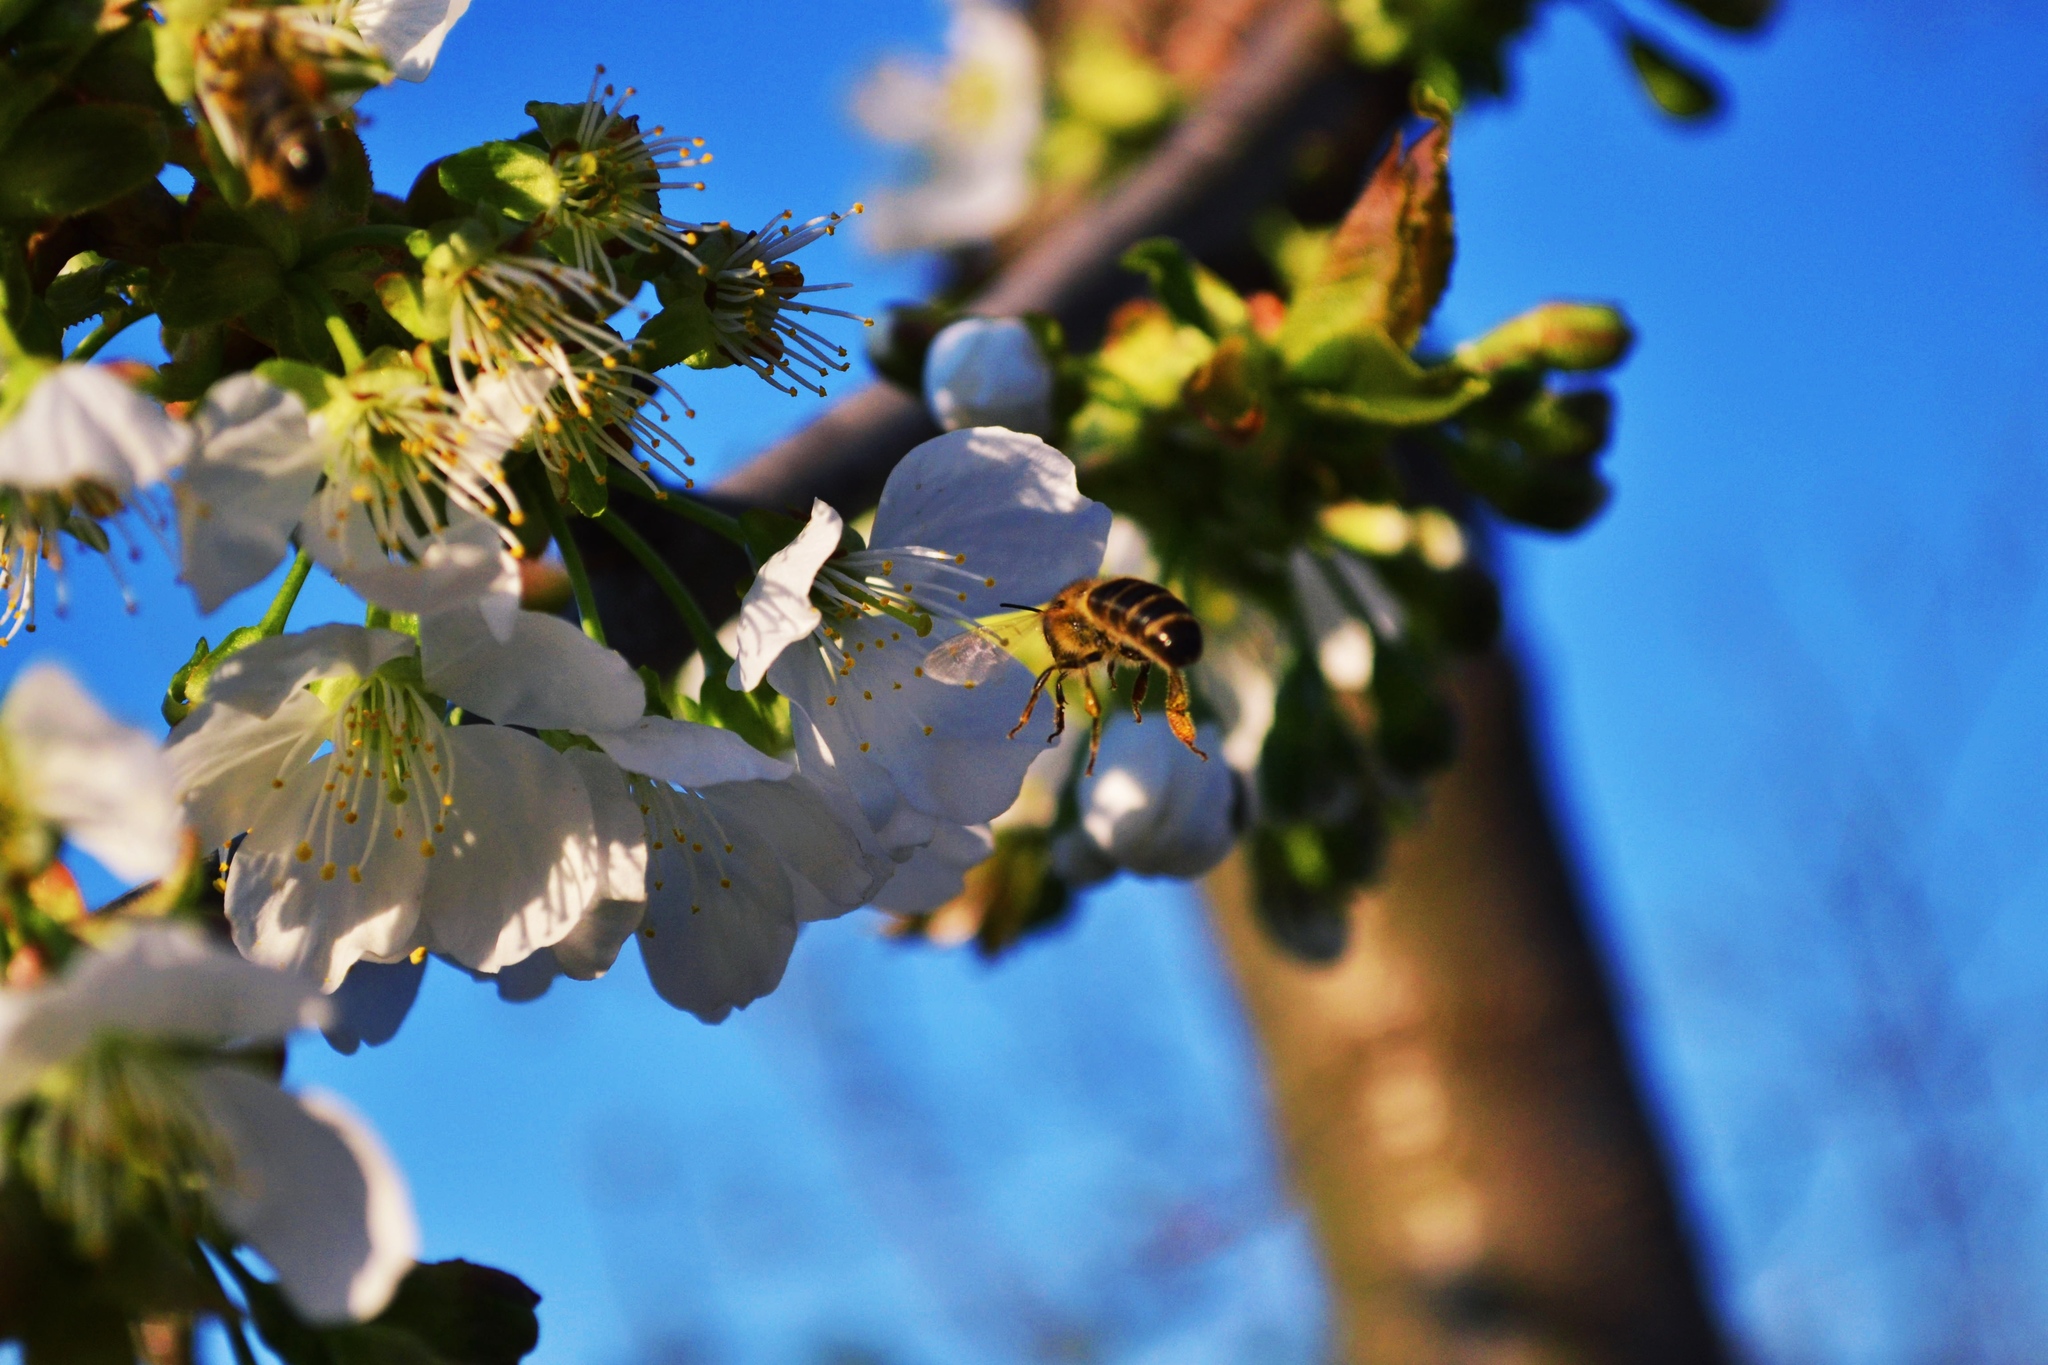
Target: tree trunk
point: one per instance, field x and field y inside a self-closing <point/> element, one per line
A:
<point x="1456" y="1100"/>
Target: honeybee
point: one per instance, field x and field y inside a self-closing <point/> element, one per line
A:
<point x="265" y="95"/>
<point x="1091" y="621"/>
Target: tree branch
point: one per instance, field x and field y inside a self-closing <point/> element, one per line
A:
<point x="1072" y="271"/>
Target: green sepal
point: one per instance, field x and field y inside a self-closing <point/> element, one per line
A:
<point x="65" y="161"/>
<point x="555" y="123"/>
<point x="679" y="334"/>
<point x="587" y="492"/>
<point x="760" y="717"/>
<point x="1681" y="90"/>
<point x="314" y="386"/>
<point x="766" y="532"/>
<point x="177" y="704"/>
<point x="508" y="178"/>
<point x="209" y="282"/>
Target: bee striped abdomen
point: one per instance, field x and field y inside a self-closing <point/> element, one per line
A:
<point x="1147" y="615"/>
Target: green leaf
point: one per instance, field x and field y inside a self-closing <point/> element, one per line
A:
<point x="1365" y="376"/>
<point x="208" y="282"/>
<point x="1172" y="271"/>
<point x="68" y="160"/>
<point x="21" y="96"/>
<point x="1558" y="336"/>
<point x="760" y="717"/>
<point x="90" y="292"/>
<point x="1680" y="90"/>
<point x="509" y="177"/>
<point x="314" y="386"/>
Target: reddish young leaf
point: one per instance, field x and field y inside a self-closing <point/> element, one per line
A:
<point x="1398" y="239"/>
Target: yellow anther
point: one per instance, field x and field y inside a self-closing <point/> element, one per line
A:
<point x="305" y="852"/>
<point x="327" y="872"/>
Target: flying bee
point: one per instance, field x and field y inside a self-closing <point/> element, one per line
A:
<point x="264" y="91"/>
<point x="1091" y="621"/>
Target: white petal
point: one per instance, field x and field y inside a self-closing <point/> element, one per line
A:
<point x="938" y="871"/>
<point x="287" y="914"/>
<point x="688" y="754"/>
<point x="821" y="856"/>
<point x="988" y="372"/>
<point x="408" y="32"/>
<point x="372" y="1002"/>
<point x="621" y="833"/>
<point x="777" y="611"/>
<point x="967" y="769"/>
<point x="226" y="761"/>
<point x="255" y="464"/>
<point x="154" y="980"/>
<point x="315" y="1192"/>
<point x="260" y="678"/>
<point x="719" y="925"/>
<point x="1155" y="808"/>
<point x="464" y="562"/>
<point x="82" y="423"/>
<point x="107" y="786"/>
<point x="547" y="674"/>
<point x="520" y="860"/>
<point x="1005" y="501"/>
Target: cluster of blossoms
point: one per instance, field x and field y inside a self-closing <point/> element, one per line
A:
<point x="417" y="397"/>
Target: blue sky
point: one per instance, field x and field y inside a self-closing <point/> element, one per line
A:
<point x="1791" y="684"/>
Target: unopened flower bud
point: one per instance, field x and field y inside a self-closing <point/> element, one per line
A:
<point x="1154" y="808"/>
<point x="1558" y="336"/>
<point x="989" y="372"/>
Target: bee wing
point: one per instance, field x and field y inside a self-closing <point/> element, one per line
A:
<point x="973" y="655"/>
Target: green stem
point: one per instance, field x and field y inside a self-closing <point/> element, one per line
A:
<point x="370" y="234"/>
<point x="311" y="293"/>
<point x="287" y="595"/>
<point x="690" y="509"/>
<point x="111" y="325"/>
<point x="716" y="661"/>
<point x="572" y="558"/>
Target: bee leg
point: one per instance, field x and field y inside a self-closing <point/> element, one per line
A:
<point x="1031" y="702"/>
<point x="1059" y="709"/>
<point x="1095" y="725"/>
<point x="1138" y="693"/>
<point x="1177" y="713"/>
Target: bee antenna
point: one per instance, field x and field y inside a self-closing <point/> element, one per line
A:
<point x="1019" y="606"/>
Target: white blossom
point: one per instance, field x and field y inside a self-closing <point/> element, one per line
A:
<point x="304" y="1181"/>
<point x="81" y="446"/>
<point x="971" y="126"/>
<point x="83" y="425"/>
<point x="966" y="522"/>
<point x="348" y="484"/>
<point x="408" y="33"/>
<point x="1153" y="808"/>
<point x="375" y="828"/>
<point x="989" y="372"/>
<point x="105" y="785"/>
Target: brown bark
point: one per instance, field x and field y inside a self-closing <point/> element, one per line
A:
<point x="1455" y="1097"/>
